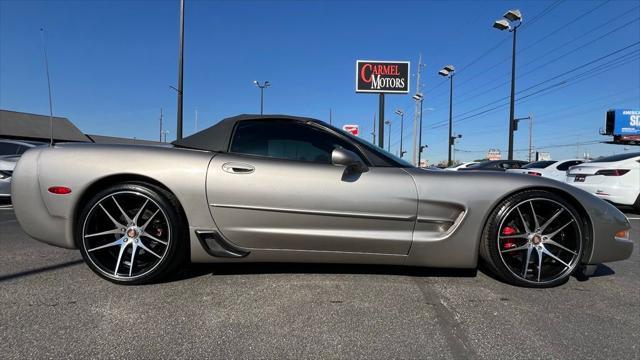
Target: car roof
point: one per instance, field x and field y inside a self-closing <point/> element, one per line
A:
<point x="217" y="137"/>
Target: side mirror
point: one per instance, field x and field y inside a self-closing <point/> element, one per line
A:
<point x="343" y="157"/>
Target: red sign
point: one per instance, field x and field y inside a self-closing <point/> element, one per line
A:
<point x="353" y="129"/>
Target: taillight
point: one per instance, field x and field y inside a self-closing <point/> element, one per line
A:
<point x="59" y="190"/>
<point x="614" y="172"/>
<point x="534" y="173"/>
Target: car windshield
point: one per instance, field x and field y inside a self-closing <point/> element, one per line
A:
<point x="539" y="164"/>
<point x="479" y="165"/>
<point x="618" y="157"/>
<point x="373" y="148"/>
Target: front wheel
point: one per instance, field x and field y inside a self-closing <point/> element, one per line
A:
<point x="534" y="239"/>
<point x="130" y="233"/>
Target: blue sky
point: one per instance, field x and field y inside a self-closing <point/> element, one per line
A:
<point x="112" y="63"/>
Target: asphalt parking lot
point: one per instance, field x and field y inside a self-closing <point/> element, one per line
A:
<point x="53" y="306"/>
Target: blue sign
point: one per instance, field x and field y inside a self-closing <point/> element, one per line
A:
<point x="627" y="122"/>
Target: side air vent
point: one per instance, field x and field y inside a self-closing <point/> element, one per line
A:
<point x="216" y="245"/>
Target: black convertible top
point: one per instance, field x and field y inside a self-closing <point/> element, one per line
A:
<point x="217" y="137"/>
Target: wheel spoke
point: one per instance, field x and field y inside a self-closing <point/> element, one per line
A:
<point x="526" y="227"/>
<point x="523" y="247"/>
<point x="558" y="230"/>
<point x="140" y="244"/>
<point x="114" y="221"/>
<point x="539" y="251"/>
<point x="135" y="218"/>
<point x="114" y="231"/>
<point x="551" y="242"/>
<point x="134" y="247"/>
<point x="126" y="217"/>
<point x="544" y="250"/>
<point x="546" y="224"/>
<point x="143" y="227"/>
<point x="144" y="233"/>
<point x="115" y="243"/>
<point x="519" y="236"/>
<point x="535" y="217"/>
<point x="526" y="265"/>
<point x="122" y="248"/>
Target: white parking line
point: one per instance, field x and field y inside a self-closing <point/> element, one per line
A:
<point x="633" y="218"/>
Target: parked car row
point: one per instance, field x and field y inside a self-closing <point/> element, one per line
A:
<point x="10" y="152"/>
<point x="614" y="178"/>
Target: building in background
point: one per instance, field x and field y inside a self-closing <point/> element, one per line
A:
<point x="25" y="126"/>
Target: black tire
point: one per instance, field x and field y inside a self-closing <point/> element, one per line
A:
<point x="506" y="244"/>
<point x="154" y="255"/>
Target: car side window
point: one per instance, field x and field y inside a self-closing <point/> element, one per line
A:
<point x="286" y="139"/>
<point x="567" y="164"/>
<point x="8" y="149"/>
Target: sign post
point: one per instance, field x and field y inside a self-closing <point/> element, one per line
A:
<point x="382" y="77"/>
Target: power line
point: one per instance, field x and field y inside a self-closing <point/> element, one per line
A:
<point x="552" y="78"/>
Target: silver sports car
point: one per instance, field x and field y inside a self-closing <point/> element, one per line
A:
<point x="291" y="189"/>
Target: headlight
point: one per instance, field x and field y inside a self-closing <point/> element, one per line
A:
<point x="5" y="174"/>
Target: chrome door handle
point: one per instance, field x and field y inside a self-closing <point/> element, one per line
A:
<point x="238" y="168"/>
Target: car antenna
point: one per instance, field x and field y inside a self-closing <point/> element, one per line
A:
<point x="46" y="65"/>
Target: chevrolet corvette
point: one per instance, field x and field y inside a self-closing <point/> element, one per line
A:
<point x="278" y="188"/>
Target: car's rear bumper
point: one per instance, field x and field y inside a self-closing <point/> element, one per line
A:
<point x="614" y="194"/>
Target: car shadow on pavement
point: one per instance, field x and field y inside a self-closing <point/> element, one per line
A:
<point x="39" y="270"/>
<point x="197" y="270"/>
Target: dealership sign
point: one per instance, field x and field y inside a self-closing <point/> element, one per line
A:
<point x="352" y="129"/>
<point x="382" y="76"/>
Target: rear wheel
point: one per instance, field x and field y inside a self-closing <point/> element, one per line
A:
<point x="130" y="233"/>
<point x="534" y="239"/>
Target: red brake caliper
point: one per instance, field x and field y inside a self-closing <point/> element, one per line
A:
<point x="506" y="231"/>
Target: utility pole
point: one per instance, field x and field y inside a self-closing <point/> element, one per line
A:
<point x="381" y="121"/>
<point x="530" y="134"/>
<point x="160" y="124"/>
<point x="373" y="130"/>
<point x="180" y="71"/>
<point x="417" y="116"/>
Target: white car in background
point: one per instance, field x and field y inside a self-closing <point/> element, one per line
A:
<point x="613" y="178"/>
<point x="460" y="166"/>
<point x="553" y="169"/>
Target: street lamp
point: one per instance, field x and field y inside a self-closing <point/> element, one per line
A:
<point x="401" y="114"/>
<point x="165" y="132"/>
<point x="448" y="71"/>
<point x="512" y="20"/>
<point x="265" y="85"/>
<point x="389" y="137"/>
<point x="418" y="97"/>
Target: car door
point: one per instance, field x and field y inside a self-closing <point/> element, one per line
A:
<point x="276" y="188"/>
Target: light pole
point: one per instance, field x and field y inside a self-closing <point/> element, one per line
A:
<point x="512" y="20"/>
<point x="180" y="71"/>
<point x="448" y="71"/>
<point x="401" y="114"/>
<point x="515" y="128"/>
<point x="388" y="137"/>
<point x="165" y="132"/>
<point x="266" y="84"/>
<point x="419" y="98"/>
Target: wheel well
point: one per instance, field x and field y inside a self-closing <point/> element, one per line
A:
<point x="588" y="226"/>
<point x="118" y="179"/>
